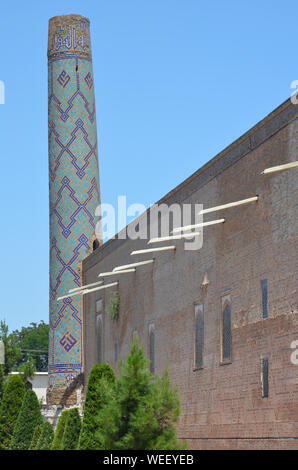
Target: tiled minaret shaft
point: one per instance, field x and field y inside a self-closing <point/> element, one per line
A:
<point x="73" y="186"/>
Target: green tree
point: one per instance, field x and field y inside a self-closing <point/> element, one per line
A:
<point x="29" y="417"/>
<point x="27" y="369"/>
<point x="100" y="381"/>
<point x="72" y="430"/>
<point x="46" y="437"/>
<point x="13" y="353"/>
<point x="2" y="381"/>
<point x="36" y="436"/>
<point x="33" y="341"/>
<point x="30" y="344"/>
<point x="57" y="441"/>
<point x="10" y="407"/>
<point x="143" y="410"/>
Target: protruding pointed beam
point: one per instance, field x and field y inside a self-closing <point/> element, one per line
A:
<point x="86" y="291"/>
<point x="133" y="265"/>
<point x="80" y="292"/>
<point x="153" y="250"/>
<point x="230" y="204"/>
<point x="286" y="166"/>
<point x="113" y="273"/>
<point x="203" y="224"/>
<point x="174" y="237"/>
<point x="101" y="287"/>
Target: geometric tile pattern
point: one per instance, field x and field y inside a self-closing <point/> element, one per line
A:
<point x="74" y="196"/>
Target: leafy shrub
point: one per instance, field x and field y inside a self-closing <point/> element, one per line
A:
<point x="114" y="306"/>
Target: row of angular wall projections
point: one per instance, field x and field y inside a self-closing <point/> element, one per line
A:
<point x="73" y="187"/>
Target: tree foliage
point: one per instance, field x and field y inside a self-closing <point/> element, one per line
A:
<point x="58" y="436"/>
<point x="142" y="410"/>
<point x="72" y="430"/>
<point x="114" y="306"/>
<point x="30" y="344"/>
<point x="27" y="369"/>
<point x="28" y="418"/>
<point x="34" y="340"/>
<point x="100" y="383"/>
<point x="46" y="437"/>
<point x="13" y="353"/>
<point x="36" y="436"/>
<point x="2" y="381"/>
<point x="10" y="407"/>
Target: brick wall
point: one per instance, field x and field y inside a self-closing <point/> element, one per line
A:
<point x="222" y="404"/>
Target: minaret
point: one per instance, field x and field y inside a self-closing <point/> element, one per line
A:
<point x="73" y="187"/>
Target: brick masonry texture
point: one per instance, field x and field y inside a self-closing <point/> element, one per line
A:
<point x="222" y="404"/>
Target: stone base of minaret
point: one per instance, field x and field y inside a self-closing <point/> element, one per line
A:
<point x="63" y="397"/>
<point x="66" y="394"/>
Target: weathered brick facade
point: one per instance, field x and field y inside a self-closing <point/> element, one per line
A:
<point x="222" y="403"/>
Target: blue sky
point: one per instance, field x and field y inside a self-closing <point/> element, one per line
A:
<point x="176" y="81"/>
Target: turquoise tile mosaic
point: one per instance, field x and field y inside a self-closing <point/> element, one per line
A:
<point x="73" y="185"/>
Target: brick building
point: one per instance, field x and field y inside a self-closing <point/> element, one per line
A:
<point x="222" y="317"/>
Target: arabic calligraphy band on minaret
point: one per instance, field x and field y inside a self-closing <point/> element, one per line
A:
<point x="69" y="34"/>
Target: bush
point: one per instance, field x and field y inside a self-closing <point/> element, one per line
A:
<point x="29" y="417"/>
<point x="57" y="441"/>
<point x="95" y="401"/>
<point x="36" y="436"/>
<point x="46" y="437"/>
<point x="10" y="407"/>
<point x="72" y="430"/>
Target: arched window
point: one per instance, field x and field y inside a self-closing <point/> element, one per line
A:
<point x="99" y="338"/>
<point x="151" y="349"/>
<point x="265" y="380"/>
<point x="264" y="290"/>
<point x="95" y="244"/>
<point x="199" y="335"/>
<point x="116" y="350"/>
<point x="226" y="333"/>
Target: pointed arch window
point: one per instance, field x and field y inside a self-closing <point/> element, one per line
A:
<point x="199" y="336"/>
<point x="226" y="332"/>
<point x="95" y="244"/>
<point x="99" y="334"/>
<point x="116" y="349"/>
<point x="152" y="348"/>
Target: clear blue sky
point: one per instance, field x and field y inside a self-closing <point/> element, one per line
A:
<point x="176" y="81"/>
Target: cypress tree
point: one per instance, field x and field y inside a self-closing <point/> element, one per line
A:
<point x="95" y="401"/>
<point x="46" y="437"/>
<point x="58" y="436"/>
<point x="10" y="407"/>
<point x="29" y="417"/>
<point x="2" y="377"/>
<point x="143" y="410"/>
<point x="72" y="430"/>
<point x="36" y="436"/>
